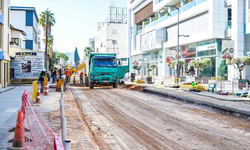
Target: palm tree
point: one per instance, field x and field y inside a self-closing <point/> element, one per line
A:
<point x="51" y="21"/>
<point x="87" y="50"/>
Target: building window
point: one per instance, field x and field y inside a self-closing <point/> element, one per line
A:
<point x="14" y="41"/>
<point x="29" y="44"/>
<point x="29" y="18"/>
<point x="114" y="31"/>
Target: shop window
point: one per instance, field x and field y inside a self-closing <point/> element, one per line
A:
<point x="1" y="34"/>
<point x="207" y="53"/>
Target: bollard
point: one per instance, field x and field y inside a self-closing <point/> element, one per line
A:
<point x="220" y="85"/>
<point x="62" y="91"/>
<point x="232" y="86"/>
<point x="201" y="81"/>
<point x="74" y="80"/>
<point x="67" y="145"/>
<point x="62" y="110"/>
<point x="64" y="127"/>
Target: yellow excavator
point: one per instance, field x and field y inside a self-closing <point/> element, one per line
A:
<point x="72" y="71"/>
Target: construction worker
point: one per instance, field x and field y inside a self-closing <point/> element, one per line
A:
<point x="42" y="75"/>
<point x="81" y="77"/>
<point x="67" y="75"/>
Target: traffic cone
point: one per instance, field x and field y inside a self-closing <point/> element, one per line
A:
<point x="38" y="96"/>
<point x="18" y="141"/>
<point x="46" y="90"/>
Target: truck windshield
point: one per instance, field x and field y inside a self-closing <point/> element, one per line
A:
<point x="105" y="63"/>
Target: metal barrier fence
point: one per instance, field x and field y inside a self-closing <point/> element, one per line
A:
<point x="38" y="134"/>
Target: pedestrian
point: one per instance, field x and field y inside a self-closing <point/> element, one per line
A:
<point x="42" y="75"/>
<point x="81" y="77"/>
<point x="67" y="75"/>
<point x="53" y="75"/>
<point x="60" y="73"/>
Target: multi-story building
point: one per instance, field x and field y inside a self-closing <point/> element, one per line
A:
<point x="92" y="43"/>
<point x="207" y="29"/>
<point x="4" y="43"/>
<point x="111" y="35"/>
<point x="26" y="19"/>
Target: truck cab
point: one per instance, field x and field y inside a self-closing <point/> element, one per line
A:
<point x="105" y="69"/>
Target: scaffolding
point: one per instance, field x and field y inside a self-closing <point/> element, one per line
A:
<point x="117" y="14"/>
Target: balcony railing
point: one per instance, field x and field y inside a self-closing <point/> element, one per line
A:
<point x="228" y="25"/>
<point x="172" y="14"/>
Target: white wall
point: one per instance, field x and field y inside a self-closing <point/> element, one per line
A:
<point x="106" y="32"/>
<point x="17" y="19"/>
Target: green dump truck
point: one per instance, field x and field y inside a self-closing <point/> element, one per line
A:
<point x="104" y="69"/>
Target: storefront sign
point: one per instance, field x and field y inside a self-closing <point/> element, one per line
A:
<point x="25" y="53"/>
<point x="27" y="64"/>
<point x="227" y="51"/>
<point x="148" y="41"/>
<point x="206" y="46"/>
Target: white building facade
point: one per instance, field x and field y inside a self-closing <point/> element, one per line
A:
<point x="4" y="43"/>
<point x="207" y="29"/>
<point x="111" y="36"/>
<point x="26" y="19"/>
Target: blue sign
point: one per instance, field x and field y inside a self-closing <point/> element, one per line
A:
<point x="1" y="19"/>
<point x="1" y="55"/>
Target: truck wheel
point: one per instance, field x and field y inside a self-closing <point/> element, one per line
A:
<point x="115" y="85"/>
<point x="91" y="85"/>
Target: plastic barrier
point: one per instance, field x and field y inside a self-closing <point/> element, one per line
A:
<point x="38" y="134"/>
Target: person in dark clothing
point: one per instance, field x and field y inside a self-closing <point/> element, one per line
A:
<point x="53" y="75"/>
<point x="42" y="75"/>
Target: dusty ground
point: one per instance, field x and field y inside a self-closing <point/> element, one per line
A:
<point x="112" y="119"/>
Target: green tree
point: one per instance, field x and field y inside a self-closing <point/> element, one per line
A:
<point x="62" y="55"/>
<point x="137" y="67"/>
<point x="151" y="68"/>
<point x="173" y="63"/>
<point x="200" y="65"/>
<point x="50" y="18"/>
<point x="77" y="58"/>
<point x="239" y="63"/>
<point x="87" y="50"/>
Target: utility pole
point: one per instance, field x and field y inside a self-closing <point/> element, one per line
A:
<point x="46" y="41"/>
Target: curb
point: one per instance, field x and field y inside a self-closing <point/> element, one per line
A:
<point x="7" y="89"/>
<point x="224" y="108"/>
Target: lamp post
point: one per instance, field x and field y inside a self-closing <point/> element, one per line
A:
<point x="177" y="66"/>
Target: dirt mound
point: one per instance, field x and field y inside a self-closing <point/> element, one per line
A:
<point x="133" y="87"/>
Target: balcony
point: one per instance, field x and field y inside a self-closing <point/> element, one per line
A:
<point x="184" y="8"/>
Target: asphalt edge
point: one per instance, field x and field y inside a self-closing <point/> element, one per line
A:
<point x="186" y="99"/>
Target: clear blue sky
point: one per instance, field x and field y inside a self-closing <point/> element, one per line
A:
<point x="76" y="20"/>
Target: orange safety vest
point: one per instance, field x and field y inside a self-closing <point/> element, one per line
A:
<point x="67" y="73"/>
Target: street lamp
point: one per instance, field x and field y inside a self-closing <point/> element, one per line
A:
<point x="177" y="40"/>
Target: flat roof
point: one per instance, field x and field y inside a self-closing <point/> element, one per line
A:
<point x="20" y="8"/>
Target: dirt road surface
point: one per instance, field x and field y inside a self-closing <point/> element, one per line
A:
<point x="116" y="119"/>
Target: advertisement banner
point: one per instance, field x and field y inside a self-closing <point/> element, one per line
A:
<point x="227" y="51"/>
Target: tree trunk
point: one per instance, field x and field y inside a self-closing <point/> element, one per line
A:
<point x="199" y="72"/>
<point x="240" y="74"/>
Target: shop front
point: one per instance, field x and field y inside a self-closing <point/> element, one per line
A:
<point x="146" y="60"/>
<point x="198" y="51"/>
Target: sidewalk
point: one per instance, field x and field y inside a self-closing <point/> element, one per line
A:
<point x="10" y="103"/>
<point x="229" y="103"/>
